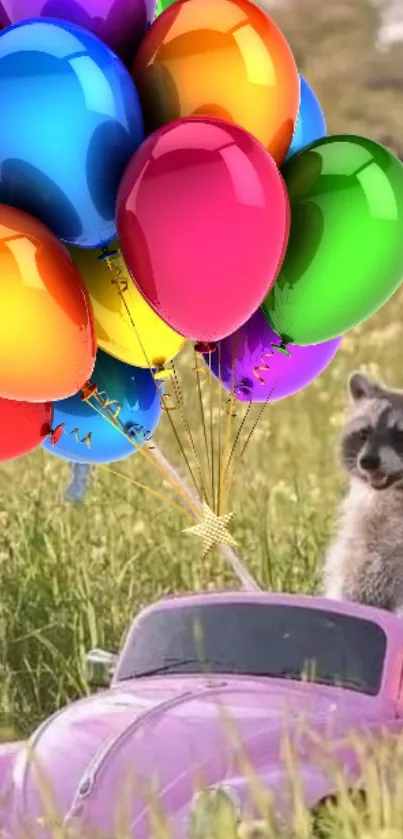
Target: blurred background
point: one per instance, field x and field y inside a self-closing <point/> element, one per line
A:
<point x="72" y="577"/>
<point x="351" y="52"/>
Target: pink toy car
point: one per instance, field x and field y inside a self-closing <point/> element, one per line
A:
<point x="271" y="667"/>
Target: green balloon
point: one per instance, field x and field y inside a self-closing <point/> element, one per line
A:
<point x="344" y="258"/>
<point x="162" y="5"/>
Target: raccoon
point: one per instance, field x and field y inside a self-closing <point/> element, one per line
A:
<point x="365" y="561"/>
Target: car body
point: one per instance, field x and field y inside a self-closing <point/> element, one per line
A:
<point x="202" y="684"/>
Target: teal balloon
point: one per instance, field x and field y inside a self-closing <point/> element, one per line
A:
<point x="344" y="258"/>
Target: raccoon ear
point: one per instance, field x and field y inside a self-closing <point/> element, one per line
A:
<point x="362" y="388"/>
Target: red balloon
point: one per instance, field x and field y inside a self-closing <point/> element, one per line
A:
<point x="203" y="222"/>
<point x="23" y="426"/>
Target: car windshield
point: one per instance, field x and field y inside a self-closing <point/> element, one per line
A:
<point x="272" y="640"/>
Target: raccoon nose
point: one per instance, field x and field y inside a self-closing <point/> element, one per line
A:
<point x="370" y="462"/>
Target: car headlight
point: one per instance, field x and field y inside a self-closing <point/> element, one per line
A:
<point x="215" y="812"/>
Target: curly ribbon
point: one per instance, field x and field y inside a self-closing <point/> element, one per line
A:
<point x="117" y="267"/>
<point x="167" y="408"/>
<point x="107" y="403"/>
<point x="134" y="431"/>
<point x="56" y="433"/>
<point x="264" y="367"/>
<point x="258" y="369"/>
<point x="89" y="393"/>
<point x="141" y="434"/>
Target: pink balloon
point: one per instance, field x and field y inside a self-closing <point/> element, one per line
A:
<point x="203" y="222"/>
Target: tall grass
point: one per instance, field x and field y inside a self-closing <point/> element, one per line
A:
<point x="73" y="577"/>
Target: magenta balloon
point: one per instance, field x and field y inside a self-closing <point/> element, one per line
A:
<point x="121" y="24"/>
<point x="254" y="370"/>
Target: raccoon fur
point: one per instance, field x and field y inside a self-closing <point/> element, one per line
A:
<point x="364" y="563"/>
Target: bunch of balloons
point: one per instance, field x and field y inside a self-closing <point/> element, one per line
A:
<point x="184" y="149"/>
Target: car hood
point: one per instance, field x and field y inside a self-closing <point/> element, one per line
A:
<point x="171" y="735"/>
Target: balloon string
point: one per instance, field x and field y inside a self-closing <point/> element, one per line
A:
<point x="212" y="452"/>
<point x="92" y="394"/>
<point x="230" y="407"/>
<point x="116" y="265"/>
<point x="263" y="367"/>
<point x="280" y="348"/>
<point x="169" y="410"/>
<point x="188" y="499"/>
<point x="150" y="490"/>
<point x="235" y="443"/>
<point x="248" y="439"/>
<point x="103" y="399"/>
<point x="202" y="373"/>
<point x="84" y="463"/>
<point x="120" y="277"/>
<point x="230" y="414"/>
<point x="257" y="420"/>
<point x="194" y="505"/>
<point x="237" y="564"/>
<point x="119" y="271"/>
<point x="112" y="419"/>
<point x="220" y="390"/>
<point x="181" y="404"/>
<point x="198" y="370"/>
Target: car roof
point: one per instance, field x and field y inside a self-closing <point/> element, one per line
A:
<point x="387" y="620"/>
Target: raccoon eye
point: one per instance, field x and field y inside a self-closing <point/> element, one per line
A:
<point x="364" y="434"/>
<point x="397" y="434"/>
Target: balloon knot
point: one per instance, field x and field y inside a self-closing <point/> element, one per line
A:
<point x="243" y="390"/>
<point x="56" y="433"/>
<point x="107" y="254"/>
<point x="88" y="391"/>
<point x="205" y="347"/>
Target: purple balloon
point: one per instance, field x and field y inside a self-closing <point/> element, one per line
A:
<point x="256" y="366"/>
<point x="121" y="24"/>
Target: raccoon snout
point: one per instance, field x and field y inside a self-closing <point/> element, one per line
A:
<point x="369" y="462"/>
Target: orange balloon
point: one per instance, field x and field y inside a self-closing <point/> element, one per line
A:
<point x="47" y="338"/>
<point x="221" y="58"/>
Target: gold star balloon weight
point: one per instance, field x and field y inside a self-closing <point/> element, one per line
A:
<point x="158" y="280"/>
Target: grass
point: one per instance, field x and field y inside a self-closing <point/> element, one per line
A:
<point x="72" y="578"/>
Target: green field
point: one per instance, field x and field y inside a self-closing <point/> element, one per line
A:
<point x="72" y="578"/>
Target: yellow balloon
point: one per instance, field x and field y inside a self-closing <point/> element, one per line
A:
<point x="125" y="324"/>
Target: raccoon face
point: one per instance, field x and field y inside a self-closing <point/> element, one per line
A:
<point x="372" y="439"/>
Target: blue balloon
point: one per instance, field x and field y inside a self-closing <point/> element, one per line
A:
<point x="70" y="121"/>
<point x="133" y="391"/>
<point x="311" y="124"/>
